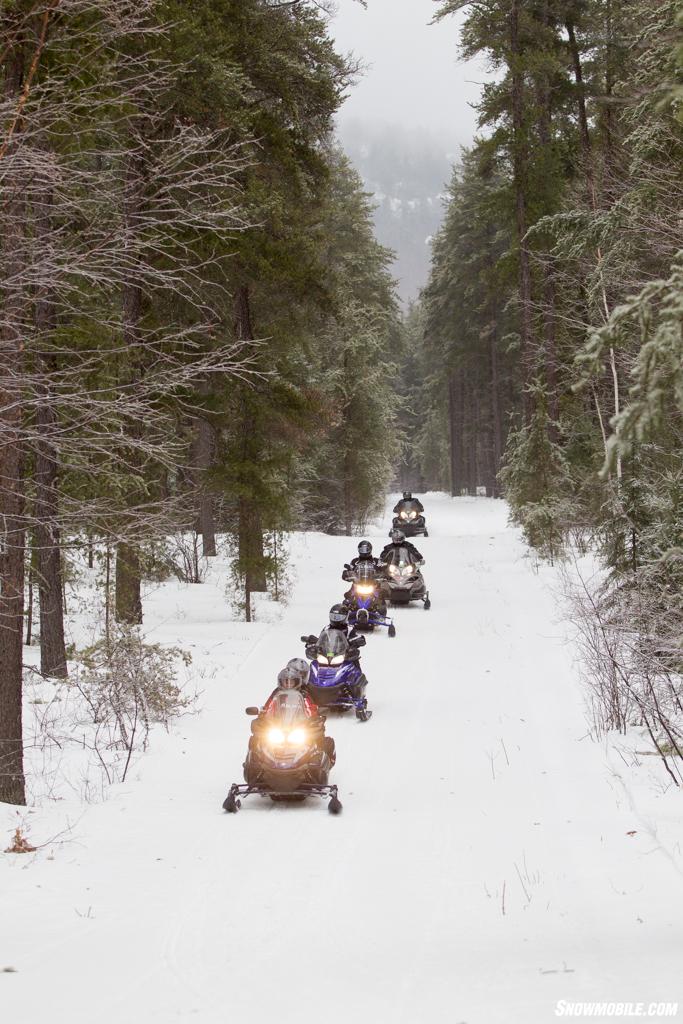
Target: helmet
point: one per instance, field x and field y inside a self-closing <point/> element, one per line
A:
<point x="298" y="667"/>
<point x="397" y="537"/>
<point x="338" y="615"/>
<point x="294" y="675"/>
<point x="290" y="678"/>
<point x="365" y="549"/>
<point x="407" y="495"/>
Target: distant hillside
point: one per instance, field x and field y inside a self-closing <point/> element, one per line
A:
<point x="407" y="173"/>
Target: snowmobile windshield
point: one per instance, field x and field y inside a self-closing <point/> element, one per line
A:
<point x="409" y="507"/>
<point x="289" y="707"/>
<point x="365" y="572"/>
<point x="332" y="645"/>
<point x="401" y="557"/>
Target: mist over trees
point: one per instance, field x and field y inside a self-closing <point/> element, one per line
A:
<point x="406" y="170"/>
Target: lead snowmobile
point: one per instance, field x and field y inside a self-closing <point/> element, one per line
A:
<point x="337" y="681"/>
<point x="289" y="756"/>
<point x="409" y="516"/>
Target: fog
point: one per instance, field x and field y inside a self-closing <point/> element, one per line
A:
<point x="406" y="120"/>
<point x="413" y="77"/>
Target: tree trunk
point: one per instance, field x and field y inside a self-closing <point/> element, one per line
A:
<point x="205" y="454"/>
<point x="544" y="100"/>
<point x="520" y="160"/>
<point x="128" y="601"/>
<point x="470" y="434"/>
<point x="495" y="404"/>
<point x="456" y="471"/>
<point x="584" y="134"/>
<point x="203" y="457"/>
<point x="12" y="483"/>
<point x="128" y="577"/>
<point x="30" y="587"/>
<point x="477" y="437"/>
<point x="250" y="542"/>
<point x="250" y="529"/>
<point x="47" y="539"/>
<point x="46" y="504"/>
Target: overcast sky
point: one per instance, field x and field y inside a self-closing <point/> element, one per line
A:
<point x="414" y="77"/>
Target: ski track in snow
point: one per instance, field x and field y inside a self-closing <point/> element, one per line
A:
<point x="481" y="869"/>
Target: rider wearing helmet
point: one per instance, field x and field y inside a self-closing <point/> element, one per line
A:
<point x="398" y="540"/>
<point x="339" y="616"/>
<point x="293" y="676"/>
<point x="407" y="496"/>
<point x="365" y="556"/>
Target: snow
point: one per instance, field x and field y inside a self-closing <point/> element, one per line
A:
<point x="482" y="868"/>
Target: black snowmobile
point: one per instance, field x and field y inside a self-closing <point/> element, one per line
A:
<point x="289" y="756"/>
<point x="409" y="517"/>
<point x="405" y="581"/>
<point x="365" y="600"/>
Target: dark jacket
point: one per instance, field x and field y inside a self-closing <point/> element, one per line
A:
<point x="399" y="505"/>
<point x="348" y="574"/>
<point x="404" y="544"/>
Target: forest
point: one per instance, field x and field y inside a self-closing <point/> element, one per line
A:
<point x="196" y="320"/>
<point x="228" y="417"/>
<point x="201" y="335"/>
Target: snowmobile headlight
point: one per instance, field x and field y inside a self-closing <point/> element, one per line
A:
<point x="337" y="660"/>
<point x="394" y="570"/>
<point x="365" y="589"/>
<point x="322" y="660"/>
<point x="276" y="737"/>
<point x="404" y="515"/>
<point x="297" y="737"/>
<point x="412" y="515"/>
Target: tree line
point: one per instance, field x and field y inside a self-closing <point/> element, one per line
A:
<point x="194" y="311"/>
<point x="547" y="354"/>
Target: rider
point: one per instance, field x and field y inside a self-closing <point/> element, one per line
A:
<point x="407" y="496"/>
<point x="339" y="619"/>
<point x="398" y="540"/>
<point x="364" y="557"/>
<point x="294" y="676"/>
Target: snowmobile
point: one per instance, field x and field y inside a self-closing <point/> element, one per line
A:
<point x="337" y="681"/>
<point x="365" y="600"/>
<point x="405" y="581"/>
<point x="410" y="518"/>
<point x="289" y="756"/>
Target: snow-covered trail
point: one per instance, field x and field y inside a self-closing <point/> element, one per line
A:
<point x="481" y="869"/>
